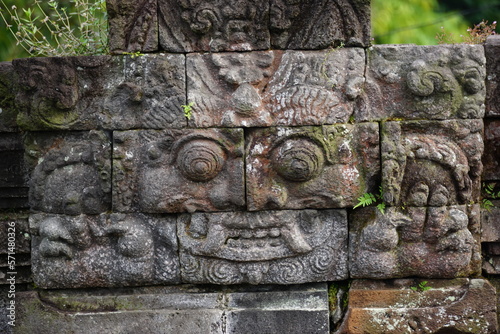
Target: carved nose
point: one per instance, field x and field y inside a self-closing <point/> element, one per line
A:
<point x="272" y="198"/>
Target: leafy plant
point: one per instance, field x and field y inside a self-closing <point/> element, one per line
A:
<point x="368" y="199"/>
<point x="133" y="54"/>
<point x="421" y="287"/>
<point x="50" y="30"/>
<point x="475" y="35"/>
<point x="188" y="110"/>
<point x="489" y="188"/>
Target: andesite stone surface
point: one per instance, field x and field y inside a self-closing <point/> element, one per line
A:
<point x="490" y="238"/>
<point x="177" y="309"/>
<point x="492" y="52"/>
<point x="431" y="163"/>
<point x="95" y="92"/>
<point x="105" y="250"/>
<point x="269" y="88"/>
<point x="267" y="247"/>
<point x="433" y="242"/>
<point x="178" y="170"/>
<point x="400" y="306"/>
<point x="424" y="82"/>
<point x="133" y="25"/>
<point x="71" y="172"/>
<point x="13" y="172"/>
<point x="491" y="157"/>
<point x="311" y="167"/>
<point x="8" y="112"/>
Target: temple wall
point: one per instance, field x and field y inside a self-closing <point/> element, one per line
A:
<point x="207" y="177"/>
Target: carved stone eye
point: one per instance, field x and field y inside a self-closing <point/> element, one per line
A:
<point x="298" y="160"/>
<point x="201" y="160"/>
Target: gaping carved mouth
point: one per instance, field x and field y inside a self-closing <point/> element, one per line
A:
<point x="252" y="236"/>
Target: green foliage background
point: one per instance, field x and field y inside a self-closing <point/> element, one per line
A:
<point x="393" y="21"/>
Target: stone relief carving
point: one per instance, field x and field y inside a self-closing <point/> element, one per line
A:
<point x="423" y="242"/>
<point x="72" y="174"/>
<point x="431" y="82"/>
<point x="491" y="157"/>
<point x="178" y="170"/>
<point x="105" y="250"/>
<point x="431" y="163"/>
<point x="62" y="93"/>
<point x="310" y="167"/>
<point x="133" y="25"/>
<point x="297" y="24"/>
<point x="149" y="95"/>
<point x="269" y="88"/>
<point x="279" y="247"/>
<point x="215" y="25"/>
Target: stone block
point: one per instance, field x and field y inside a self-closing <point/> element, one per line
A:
<point x="178" y="170"/>
<point x="491" y="157"/>
<point x="133" y="25"/>
<point x="103" y="251"/>
<point x="268" y="247"/>
<point x="401" y="306"/>
<point x="71" y="172"/>
<point x="8" y="113"/>
<point x="437" y="242"/>
<point x="490" y="223"/>
<point x="311" y="167"/>
<point x="179" y="309"/>
<point x="63" y="93"/>
<point x="269" y="88"/>
<point x="220" y="25"/>
<point x="13" y="172"/>
<point x="302" y="309"/>
<point x="85" y="93"/>
<point x="424" y="82"/>
<point x="319" y="24"/>
<point x="148" y="94"/>
<point x="492" y="52"/>
<point x="16" y="249"/>
<point x="434" y="163"/>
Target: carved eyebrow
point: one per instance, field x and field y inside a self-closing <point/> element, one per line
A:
<point x="195" y="136"/>
<point x="316" y="141"/>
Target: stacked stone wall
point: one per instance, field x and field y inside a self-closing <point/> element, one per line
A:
<point x="206" y="177"/>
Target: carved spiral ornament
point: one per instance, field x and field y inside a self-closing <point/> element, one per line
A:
<point x="298" y="160"/>
<point x="322" y="261"/>
<point x="201" y="160"/>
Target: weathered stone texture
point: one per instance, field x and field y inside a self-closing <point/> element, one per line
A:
<point x="92" y="251"/>
<point x="492" y="52"/>
<point x="490" y="238"/>
<point x="16" y="242"/>
<point x="8" y="112"/>
<point x="439" y="242"/>
<point x="269" y="88"/>
<point x="178" y="170"/>
<point x="268" y="247"/>
<point x="63" y="93"/>
<point x="319" y="24"/>
<point x="311" y="167"/>
<point x="148" y="94"/>
<point x="491" y="157"/>
<point x="133" y="25"/>
<point x="85" y="93"/>
<point x="435" y="163"/>
<point x="71" y="172"/>
<point x="429" y="82"/>
<point x="218" y="25"/>
<point x="13" y="172"/>
<point x="183" y="309"/>
<point x="393" y="307"/>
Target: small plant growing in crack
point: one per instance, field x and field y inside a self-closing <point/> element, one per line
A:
<point x="369" y="199"/>
<point x="188" y="110"/>
<point x="421" y="287"/>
